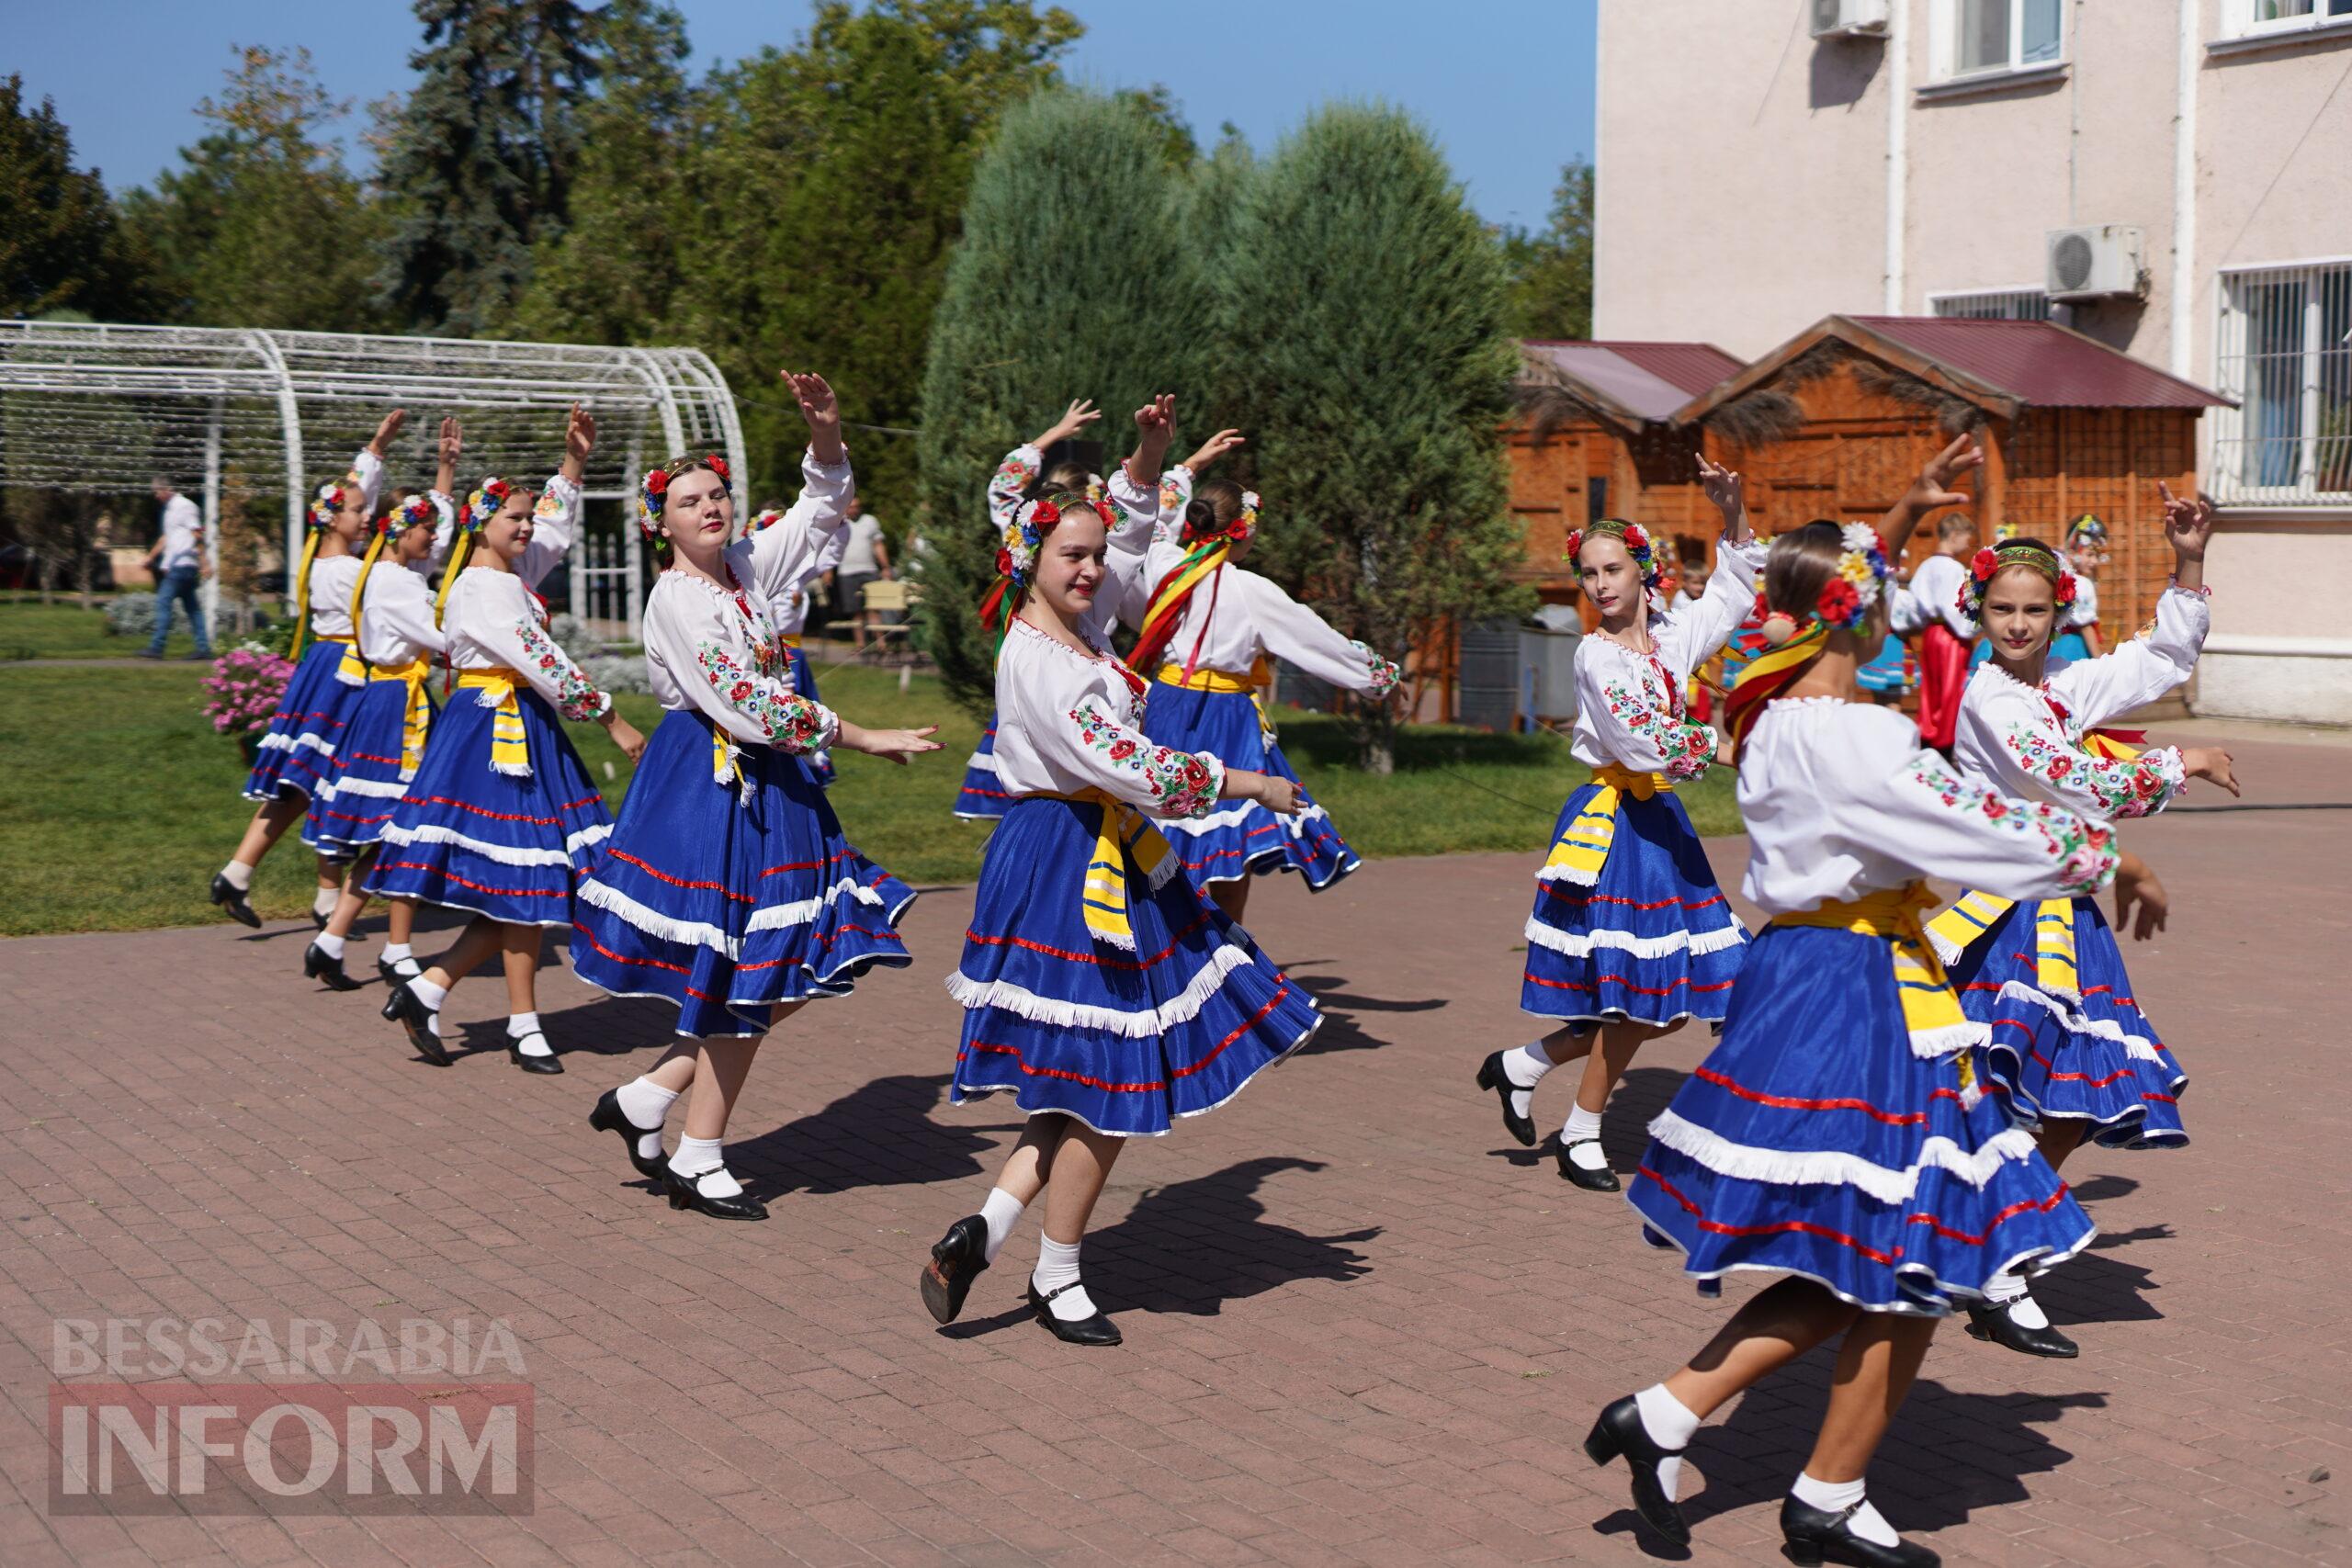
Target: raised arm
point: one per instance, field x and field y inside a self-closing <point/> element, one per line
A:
<point x="1298" y="636"/>
<point x="787" y="553"/>
<point x="1930" y="493"/>
<point x="556" y="517"/>
<point x="1155" y="427"/>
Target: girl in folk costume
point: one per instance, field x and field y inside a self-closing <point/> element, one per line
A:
<point x="310" y="717"/>
<point x="1207" y="636"/>
<point x="501" y="819"/>
<point x="788" y="615"/>
<point x="1837" y="1132"/>
<point x="2079" y="636"/>
<point x="1100" y="987"/>
<point x="1932" y="610"/>
<point x="1630" y="935"/>
<point x="728" y="888"/>
<point x="397" y="639"/>
<point x="981" y="798"/>
<point x="2071" y="1052"/>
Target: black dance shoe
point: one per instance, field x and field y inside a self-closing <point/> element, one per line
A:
<point x="1994" y="1323"/>
<point x="236" y="901"/>
<point x="1811" y="1536"/>
<point x="1095" y="1330"/>
<point x="389" y="970"/>
<point x="318" y="921"/>
<point x="1602" y="1181"/>
<point x="1491" y="1076"/>
<point x="956" y="1260"/>
<point x="608" y="1117"/>
<point x="685" y="1194"/>
<point x="325" y="968"/>
<point x="404" y="1008"/>
<point x="1620" y="1431"/>
<point x="547" y="1063"/>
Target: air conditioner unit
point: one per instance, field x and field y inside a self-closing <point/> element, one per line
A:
<point x="1849" y="18"/>
<point x="2094" y="264"/>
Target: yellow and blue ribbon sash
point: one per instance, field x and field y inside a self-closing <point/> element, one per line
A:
<point x="509" y="750"/>
<point x="1932" y="1012"/>
<point x="418" y="716"/>
<point x="1257" y="683"/>
<point x="1963" y="925"/>
<point x="1583" y="846"/>
<point x="1127" y="836"/>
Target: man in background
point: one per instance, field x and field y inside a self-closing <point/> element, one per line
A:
<point x="864" y="557"/>
<point x="177" y="560"/>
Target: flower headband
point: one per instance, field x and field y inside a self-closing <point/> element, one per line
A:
<point x="333" y="496"/>
<point x="1016" y="558"/>
<point x="1988" y="565"/>
<point x="656" y="486"/>
<point x="1636" y="540"/>
<point x="768" y="519"/>
<point x="483" y="504"/>
<point x="1237" y="532"/>
<point x="1857" y="583"/>
<point x="415" y="512"/>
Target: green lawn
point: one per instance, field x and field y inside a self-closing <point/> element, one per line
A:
<point x="118" y="802"/>
<point x="65" y="630"/>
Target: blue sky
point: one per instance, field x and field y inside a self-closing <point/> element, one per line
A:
<point x="1505" y="84"/>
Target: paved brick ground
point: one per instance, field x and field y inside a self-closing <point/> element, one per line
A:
<point x="1361" y="1327"/>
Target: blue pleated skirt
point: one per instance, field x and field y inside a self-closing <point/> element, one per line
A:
<point x="298" y="749"/>
<point x="725" y="906"/>
<point x="1814" y="1141"/>
<point x="982" y="798"/>
<point x="820" y="764"/>
<point x="1126" y="1041"/>
<point x="501" y="845"/>
<point x="1242" y="837"/>
<point x="351" y="810"/>
<point x="2093" y="1057"/>
<point x="1652" y="940"/>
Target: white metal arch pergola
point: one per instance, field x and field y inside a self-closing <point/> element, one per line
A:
<point x="104" y="408"/>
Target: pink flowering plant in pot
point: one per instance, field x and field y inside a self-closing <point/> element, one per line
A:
<point x="243" y="692"/>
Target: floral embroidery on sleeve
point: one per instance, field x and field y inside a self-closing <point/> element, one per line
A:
<point x="1180" y="783"/>
<point x="791" y="723"/>
<point x="2138" y="788"/>
<point x="1011" y="477"/>
<point x="1687" y="747"/>
<point x="576" y="696"/>
<point x="2080" y="847"/>
<point x="1386" y="672"/>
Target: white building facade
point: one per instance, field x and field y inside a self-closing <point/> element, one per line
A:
<point x="1761" y="164"/>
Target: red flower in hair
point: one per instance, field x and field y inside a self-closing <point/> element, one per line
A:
<point x="1762" y="607"/>
<point x="1635" y="538"/>
<point x="1003" y="563"/>
<point x="2065" y="588"/>
<point x="1047" y="514"/>
<point x="1838" y="600"/>
<point x="718" y="466"/>
<point x="1982" y="566"/>
<point x="657" y="483"/>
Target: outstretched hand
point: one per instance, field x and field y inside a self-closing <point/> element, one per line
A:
<point x="1932" y="489"/>
<point x="387" y="431"/>
<point x="822" y="408"/>
<point x="2140" y="902"/>
<point x="2189" y="523"/>
<point x="1726" y="490"/>
<point x="891" y="745"/>
<point x="1216" y="446"/>
<point x="579" y="435"/>
<point x="452" y="442"/>
<point x="1156" y="421"/>
<point x="1080" y="413"/>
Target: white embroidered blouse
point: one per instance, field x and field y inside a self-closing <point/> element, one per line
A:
<point x="396" y="624"/>
<point x="1068" y="722"/>
<point x="1631" y="709"/>
<point x="494" y="619"/>
<point x="1933" y="595"/>
<point x="1841" y="801"/>
<point x="332" y="580"/>
<point x="718" y="651"/>
<point x="2030" y="743"/>
<point x="1121" y="597"/>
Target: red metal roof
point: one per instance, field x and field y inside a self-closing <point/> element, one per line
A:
<point x="2040" y="363"/>
<point x="1648" y="380"/>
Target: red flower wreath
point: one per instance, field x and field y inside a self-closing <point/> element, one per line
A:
<point x="1984" y="564"/>
<point x="1839" y="602"/>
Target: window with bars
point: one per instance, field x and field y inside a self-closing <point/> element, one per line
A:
<point x="2262" y="19"/>
<point x="2285" y="352"/>
<point x="1994" y="304"/>
<point x="1984" y="37"/>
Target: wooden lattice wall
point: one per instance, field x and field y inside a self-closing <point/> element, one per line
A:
<point x="2064" y="462"/>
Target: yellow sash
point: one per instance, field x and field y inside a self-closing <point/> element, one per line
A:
<point x="789" y="640"/>
<point x="419" y="713"/>
<point x="1583" y="846"/>
<point x="1958" y="928"/>
<point x="509" y="750"/>
<point x="1259" y="680"/>
<point x="351" y="670"/>
<point x="1930" y="1011"/>
<point x="1126" y="835"/>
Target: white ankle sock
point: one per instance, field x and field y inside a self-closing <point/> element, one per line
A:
<point x="1836" y="1496"/>
<point x="239" y="876"/>
<point x="1581" y="1137"/>
<point x="1056" y="1266"/>
<point x="704" y="1163"/>
<point x="329" y="944"/>
<point x="1525" y="1065"/>
<point x="398" y="953"/>
<point x="324" y="900"/>
<point x="646" y="1104"/>
<point x="432" y="996"/>
<point x="1671" y="1425"/>
<point x="1000" y="1214"/>
<point x="523" y="1028"/>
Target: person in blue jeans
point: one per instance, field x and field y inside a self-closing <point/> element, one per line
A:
<point x="177" y="561"/>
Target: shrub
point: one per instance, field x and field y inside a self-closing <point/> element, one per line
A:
<point x="131" y="614"/>
<point x="244" y="688"/>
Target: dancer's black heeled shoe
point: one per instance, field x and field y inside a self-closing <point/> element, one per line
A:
<point x="1095" y="1330"/>
<point x="326" y="969"/>
<point x="318" y="921"/>
<point x="1811" y="1537"/>
<point x="389" y="970"/>
<point x="1491" y="1076"/>
<point x="404" y="1008"/>
<point x="1620" y="1431"/>
<point x="608" y="1117"/>
<point x="1602" y="1181"/>
<point x="1996" y="1325"/>
<point x="547" y="1063"/>
<point x="956" y="1260"/>
<point x="234" y="902"/>
<point x="685" y="1194"/>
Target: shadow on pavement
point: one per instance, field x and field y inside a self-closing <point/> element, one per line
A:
<point x="878" y="1134"/>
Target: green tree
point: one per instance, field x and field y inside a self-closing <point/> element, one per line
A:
<point x="1367" y="300"/>
<point x="261" y="225"/>
<point x="481" y="159"/>
<point x="1550" y="269"/>
<point x="1068" y="283"/>
<point x="59" y="248"/>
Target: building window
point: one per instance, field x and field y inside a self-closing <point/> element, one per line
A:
<point x="1994" y="304"/>
<point x="1984" y="37"/>
<point x="2263" y="18"/>
<point x="2285" y="353"/>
